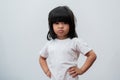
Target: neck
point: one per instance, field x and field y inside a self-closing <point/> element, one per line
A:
<point x="61" y="38"/>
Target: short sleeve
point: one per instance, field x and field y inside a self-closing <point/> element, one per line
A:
<point x="44" y="51"/>
<point x="82" y="46"/>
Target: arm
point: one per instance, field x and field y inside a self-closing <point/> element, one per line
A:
<point x="44" y="66"/>
<point x="91" y="57"/>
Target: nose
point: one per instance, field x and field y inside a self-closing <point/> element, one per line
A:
<point x="61" y="25"/>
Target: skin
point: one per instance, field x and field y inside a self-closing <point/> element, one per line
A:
<point x="44" y="66"/>
<point x="61" y="29"/>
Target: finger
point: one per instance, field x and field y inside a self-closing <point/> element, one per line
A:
<point x="71" y="69"/>
<point x="71" y="72"/>
<point x="74" y="75"/>
<point x="49" y="74"/>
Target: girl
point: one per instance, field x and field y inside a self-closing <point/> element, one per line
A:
<point x="59" y="56"/>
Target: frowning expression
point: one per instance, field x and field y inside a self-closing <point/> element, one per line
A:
<point x="61" y="29"/>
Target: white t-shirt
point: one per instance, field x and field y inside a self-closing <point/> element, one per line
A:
<point x="63" y="54"/>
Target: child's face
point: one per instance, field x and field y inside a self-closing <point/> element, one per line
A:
<point x="61" y="29"/>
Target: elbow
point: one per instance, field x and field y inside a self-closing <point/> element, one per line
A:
<point x="92" y="55"/>
<point x="41" y="59"/>
<point x="95" y="56"/>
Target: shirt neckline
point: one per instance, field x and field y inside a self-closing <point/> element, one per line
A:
<point x="62" y="39"/>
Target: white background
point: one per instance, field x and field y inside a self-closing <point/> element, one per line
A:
<point x="24" y="26"/>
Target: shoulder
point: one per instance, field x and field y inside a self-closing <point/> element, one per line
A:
<point x="49" y="42"/>
<point x="77" y="40"/>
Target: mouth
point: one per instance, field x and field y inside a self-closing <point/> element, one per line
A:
<point x="60" y="31"/>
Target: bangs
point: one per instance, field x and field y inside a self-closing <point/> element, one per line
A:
<point x="59" y="15"/>
<point x="60" y="18"/>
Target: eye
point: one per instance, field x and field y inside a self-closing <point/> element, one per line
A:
<point x="65" y="22"/>
<point x="56" y="23"/>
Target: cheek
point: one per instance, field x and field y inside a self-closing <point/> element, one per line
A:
<point x="54" y="29"/>
<point x="67" y="29"/>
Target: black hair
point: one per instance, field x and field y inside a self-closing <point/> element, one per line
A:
<point x="61" y="14"/>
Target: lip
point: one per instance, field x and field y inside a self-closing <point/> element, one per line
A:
<point x="60" y="31"/>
